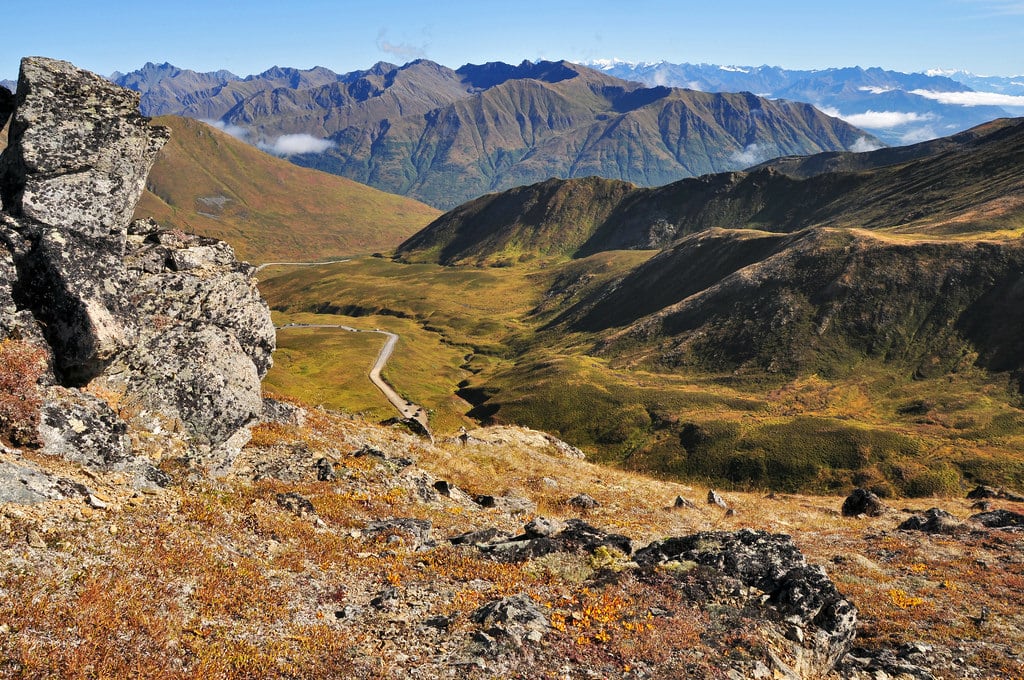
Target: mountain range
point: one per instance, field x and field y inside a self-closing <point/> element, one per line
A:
<point x="967" y="183"/>
<point x="444" y="136"/>
<point x="898" y="108"/>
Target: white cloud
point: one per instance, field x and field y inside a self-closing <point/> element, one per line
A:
<point x="400" y="50"/>
<point x="751" y="155"/>
<point x="863" y="144"/>
<point x="876" y="90"/>
<point x="233" y="130"/>
<point x="972" y="98"/>
<point x="921" y="134"/>
<point x="288" y="145"/>
<point x="879" y="120"/>
<point x="885" y="119"/>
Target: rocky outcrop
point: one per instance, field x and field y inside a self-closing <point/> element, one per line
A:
<point x="768" y="571"/>
<point x="79" y="150"/>
<point x="156" y="340"/>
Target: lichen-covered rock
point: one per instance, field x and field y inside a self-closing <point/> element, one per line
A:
<point x="83" y="429"/>
<point x="518" y="617"/>
<point x="542" y="536"/>
<point x="189" y="278"/>
<point x="25" y="483"/>
<point x="199" y="376"/>
<point x="78" y="151"/>
<point x="999" y="519"/>
<point x="76" y="286"/>
<point x="817" y="622"/>
<point x="169" y="325"/>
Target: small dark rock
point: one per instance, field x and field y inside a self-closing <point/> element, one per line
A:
<point x="583" y="502"/>
<point x="934" y="521"/>
<point x="984" y="506"/>
<point x="367" y="450"/>
<point x="295" y="503"/>
<point x="683" y="503"/>
<point x="439" y="622"/>
<point x="386" y="599"/>
<point x="509" y="504"/>
<point x="349" y="611"/>
<point x="863" y="502"/>
<point x="325" y="470"/>
<point x="982" y="491"/>
<point x="999" y="519"/>
<point x="484" y="501"/>
<point x="715" y="499"/>
<point x="481" y="536"/>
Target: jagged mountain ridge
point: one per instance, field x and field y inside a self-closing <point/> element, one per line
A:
<point x="444" y="136"/>
<point x="900" y="108"/>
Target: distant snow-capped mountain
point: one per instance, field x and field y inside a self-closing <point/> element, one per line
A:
<point x="899" y="108"/>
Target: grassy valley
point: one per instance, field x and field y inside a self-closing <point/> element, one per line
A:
<point x="794" y="350"/>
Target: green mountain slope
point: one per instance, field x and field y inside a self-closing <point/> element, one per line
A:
<point x="209" y="183"/>
<point x="969" y="185"/>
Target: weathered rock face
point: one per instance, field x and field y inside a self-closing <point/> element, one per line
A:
<point x="167" y="328"/>
<point x="79" y="149"/>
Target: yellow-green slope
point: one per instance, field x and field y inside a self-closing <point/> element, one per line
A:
<point x="207" y="182"/>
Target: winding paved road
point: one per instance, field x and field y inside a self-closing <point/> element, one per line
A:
<point x="406" y="408"/>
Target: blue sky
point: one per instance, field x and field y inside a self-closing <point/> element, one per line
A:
<point x="983" y="36"/>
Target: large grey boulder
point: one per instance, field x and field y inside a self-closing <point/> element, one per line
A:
<point x="79" y="150"/>
<point x="198" y="376"/>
